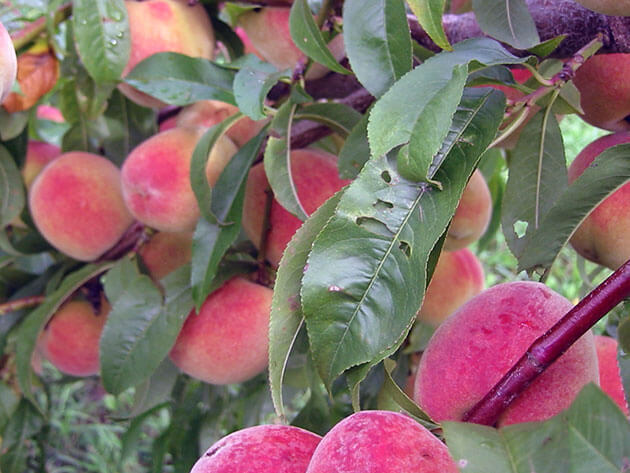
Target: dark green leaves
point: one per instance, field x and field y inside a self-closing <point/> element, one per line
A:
<point x="429" y="15"/>
<point x="508" y="21"/>
<point x="12" y="197"/>
<point x="178" y="79"/>
<point x="378" y="43"/>
<point x="380" y="238"/>
<point x="101" y="30"/>
<point x="252" y="84"/>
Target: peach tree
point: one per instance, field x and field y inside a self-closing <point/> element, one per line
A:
<point x="406" y="99"/>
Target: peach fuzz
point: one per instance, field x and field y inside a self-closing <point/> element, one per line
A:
<point x="380" y="442"/>
<point x="165" y="252"/>
<point x="603" y="237"/>
<point x="76" y="203"/>
<point x="165" y="25"/>
<point x="38" y="155"/>
<point x="316" y="179"/>
<point x="226" y="342"/>
<point x="263" y="448"/>
<point x="472" y="215"/>
<point x="478" y="344"/>
<point x="458" y="277"/>
<point x="604" y="92"/>
<point x="156" y="178"/>
<point x="70" y="341"/>
<point x="8" y="63"/>
<point x="609" y="375"/>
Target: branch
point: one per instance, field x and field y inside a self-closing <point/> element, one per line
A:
<point x="18" y="304"/>
<point x="551" y="345"/>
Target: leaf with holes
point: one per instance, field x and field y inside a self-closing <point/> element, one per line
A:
<point x="380" y="238"/>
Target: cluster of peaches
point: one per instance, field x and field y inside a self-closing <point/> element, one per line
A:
<point x="82" y="204"/>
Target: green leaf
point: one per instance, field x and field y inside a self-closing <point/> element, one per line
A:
<point x="286" y="314"/>
<point x="308" y="38"/>
<point x="509" y="21"/>
<point x="545" y="48"/>
<point x="429" y="15"/>
<point x="378" y="42"/>
<point x="593" y="435"/>
<point x="355" y="151"/>
<point x="609" y="171"/>
<point x="538" y="176"/>
<point x="337" y="116"/>
<point x="214" y="235"/>
<point x="178" y="79"/>
<point x="102" y="38"/>
<point x="380" y="238"/>
<point x="252" y="83"/>
<point x="156" y="390"/>
<point x="12" y="198"/>
<point x="30" y="327"/>
<point x="394" y="117"/>
<point x="24" y="424"/>
<point x="8" y="404"/>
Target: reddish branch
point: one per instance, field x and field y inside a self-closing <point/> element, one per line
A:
<point x="550" y="346"/>
<point x="18" y="304"/>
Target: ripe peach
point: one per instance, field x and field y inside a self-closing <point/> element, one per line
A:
<point x="77" y="205"/>
<point x="316" y="179"/>
<point x="38" y="155"/>
<point x="602" y="237"/>
<point x="458" y="276"/>
<point x="472" y="215"/>
<point x="70" y="341"/>
<point x="226" y="342"/>
<point x="248" y="47"/>
<point x="604" y="92"/>
<point x="165" y="252"/>
<point x="165" y="25"/>
<point x="478" y="344"/>
<point x="156" y="178"/>
<point x="207" y="113"/>
<point x="263" y="448"/>
<point x="608" y="7"/>
<point x="8" y="63"/>
<point x="380" y="442"/>
<point x="48" y="112"/>
<point x="609" y="376"/>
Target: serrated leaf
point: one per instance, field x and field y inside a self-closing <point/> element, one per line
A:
<point x="609" y="171"/>
<point x="394" y="116"/>
<point x="509" y="21"/>
<point x="592" y="435"/>
<point x="252" y="83"/>
<point x="355" y="151"/>
<point x="429" y="15"/>
<point x="33" y="323"/>
<point x="102" y="38"/>
<point x="286" y="314"/>
<point x="378" y="42"/>
<point x="308" y="38"/>
<point x="213" y="236"/>
<point x="12" y="198"/>
<point x="177" y="79"/>
<point x="337" y="116"/>
<point x="538" y="176"/>
<point x="398" y="396"/>
<point x="380" y="238"/>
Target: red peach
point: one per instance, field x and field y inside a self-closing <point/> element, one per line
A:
<point x="472" y="350"/>
<point x="263" y="448"/>
<point x="316" y="179"/>
<point x="458" y="276"/>
<point x="165" y="252"/>
<point x="48" y="112"/>
<point x="602" y="236"/>
<point x="380" y="442"/>
<point x="226" y="342"/>
<point x="38" y="155"/>
<point x="8" y="63"/>
<point x="609" y="375"/>
<point x="472" y="215"/>
<point x="76" y="203"/>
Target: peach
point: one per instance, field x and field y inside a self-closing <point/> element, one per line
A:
<point x="472" y="350"/>
<point x="76" y="203"/>
<point x="263" y="448"/>
<point x="248" y="47"/>
<point x="207" y="113"/>
<point x="609" y="375"/>
<point x="165" y="25"/>
<point x="604" y="91"/>
<point x="48" y="112"/>
<point x="316" y="179"/>
<point x="602" y="236"/>
<point x="156" y="178"/>
<point x="8" y="63"/>
<point x="608" y="7"/>
<point x="165" y="252"/>
<point x="226" y="342"/>
<point x="458" y="276"/>
<point x="380" y="442"/>
<point x="38" y="155"/>
<point x="70" y="341"/>
<point x="472" y="215"/>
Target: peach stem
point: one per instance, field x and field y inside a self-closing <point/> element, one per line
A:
<point x="551" y="345"/>
<point x="18" y="304"/>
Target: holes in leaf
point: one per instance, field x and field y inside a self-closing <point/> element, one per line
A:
<point x="386" y="176"/>
<point x="405" y="248"/>
<point x="520" y="228"/>
<point x="375" y="226"/>
<point x="383" y="205"/>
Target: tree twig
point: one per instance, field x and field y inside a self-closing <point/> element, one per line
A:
<point x="18" y="304"/>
